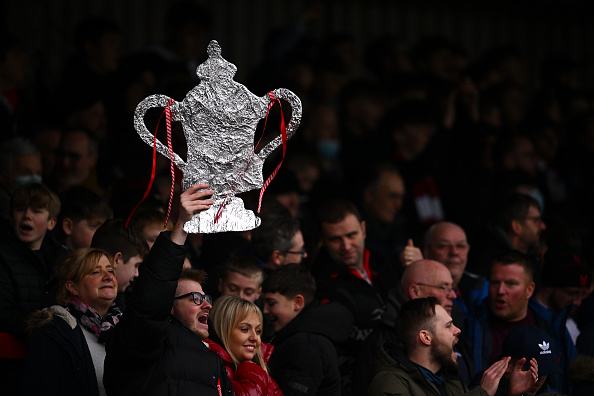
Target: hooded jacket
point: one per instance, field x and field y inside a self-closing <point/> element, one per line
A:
<point x="304" y="361"/>
<point x="395" y="374"/>
<point x="58" y="360"/>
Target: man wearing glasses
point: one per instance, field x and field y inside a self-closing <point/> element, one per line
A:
<point x="157" y="348"/>
<point x="517" y="224"/>
<point x="421" y="279"/>
<point x="277" y="242"/>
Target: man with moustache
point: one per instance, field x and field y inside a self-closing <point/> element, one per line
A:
<point x="425" y="363"/>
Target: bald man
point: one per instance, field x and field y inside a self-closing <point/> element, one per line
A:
<point x="429" y="278"/>
<point x="446" y="242"/>
<point x="422" y="278"/>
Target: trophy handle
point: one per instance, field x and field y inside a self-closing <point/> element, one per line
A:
<point x="295" y="102"/>
<point x="149" y="138"/>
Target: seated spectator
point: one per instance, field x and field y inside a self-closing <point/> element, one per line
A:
<point x="236" y="339"/>
<point x="127" y="249"/>
<point x="348" y="273"/>
<point x="76" y="162"/>
<point x="581" y="370"/>
<point x="278" y="241"/>
<point x="242" y="276"/>
<point x="158" y="346"/>
<point x="517" y="224"/>
<point x="20" y="164"/>
<point x="304" y="361"/>
<point x="382" y="197"/>
<point x="68" y="340"/>
<point x="425" y="361"/>
<point x="509" y="306"/>
<point x="421" y="279"/>
<point x="446" y="242"/>
<point x="150" y="223"/>
<point x="29" y="257"/>
<point x="83" y="212"/>
<point x="523" y="345"/>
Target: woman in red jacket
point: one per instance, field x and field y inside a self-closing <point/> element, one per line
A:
<point x="238" y="324"/>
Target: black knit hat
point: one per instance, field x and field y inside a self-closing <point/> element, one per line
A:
<point x="565" y="269"/>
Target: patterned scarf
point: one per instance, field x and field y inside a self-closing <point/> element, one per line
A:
<point x="90" y="319"/>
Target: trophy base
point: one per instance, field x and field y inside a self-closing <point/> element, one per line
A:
<point x="233" y="217"/>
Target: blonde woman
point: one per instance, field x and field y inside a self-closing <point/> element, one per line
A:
<point x="236" y="339"/>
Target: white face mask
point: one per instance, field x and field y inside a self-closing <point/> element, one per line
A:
<point x="22" y="180"/>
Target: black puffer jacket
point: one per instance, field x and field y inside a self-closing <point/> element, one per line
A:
<point x="58" y="360"/>
<point x="304" y="361"/>
<point x="27" y="279"/>
<point x="151" y="353"/>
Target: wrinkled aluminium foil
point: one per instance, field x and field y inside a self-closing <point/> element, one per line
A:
<point x="219" y="118"/>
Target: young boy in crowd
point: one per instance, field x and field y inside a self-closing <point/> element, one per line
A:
<point x="29" y="256"/>
<point x="304" y="361"/>
<point x="150" y="223"/>
<point x="29" y="260"/>
<point x="243" y="276"/>
<point x="128" y="249"/>
<point x="83" y="212"/>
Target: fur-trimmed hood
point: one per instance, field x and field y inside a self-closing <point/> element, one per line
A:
<point x="38" y="319"/>
<point x="582" y="369"/>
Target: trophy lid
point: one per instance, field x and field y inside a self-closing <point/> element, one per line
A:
<point x="215" y="67"/>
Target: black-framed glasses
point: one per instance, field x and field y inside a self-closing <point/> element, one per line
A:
<point x="301" y="252"/>
<point x="446" y="289"/>
<point x="197" y="297"/>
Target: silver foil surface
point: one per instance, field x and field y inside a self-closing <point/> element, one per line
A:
<point x="219" y="118"/>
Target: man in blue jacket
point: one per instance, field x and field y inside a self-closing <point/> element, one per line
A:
<point x="509" y="306"/>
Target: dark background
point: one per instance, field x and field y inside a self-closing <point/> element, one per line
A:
<point x="536" y="28"/>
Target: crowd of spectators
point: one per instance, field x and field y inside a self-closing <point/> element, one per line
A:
<point x="406" y="157"/>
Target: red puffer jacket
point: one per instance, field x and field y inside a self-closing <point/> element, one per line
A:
<point x="248" y="379"/>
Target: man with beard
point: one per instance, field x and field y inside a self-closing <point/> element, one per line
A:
<point x="425" y="363"/>
<point x="157" y="348"/>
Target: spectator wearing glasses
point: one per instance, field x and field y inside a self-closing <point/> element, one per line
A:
<point x="158" y="346"/>
<point x="76" y="162"/>
<point x="277" y="242"/>
<point x="421" y="279"/>
<point x="517" y="224"/>
<point x="447" y="243"/>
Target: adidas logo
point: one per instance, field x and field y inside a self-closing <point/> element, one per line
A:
<point x="545" y="348"/>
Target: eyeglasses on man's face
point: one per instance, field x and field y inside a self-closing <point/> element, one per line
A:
<point x="197" y="297"/>
<point x="301" y="252"/>
<point x="446" y="289"/>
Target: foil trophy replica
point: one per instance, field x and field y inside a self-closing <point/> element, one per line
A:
<point x="219" y="118"/>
